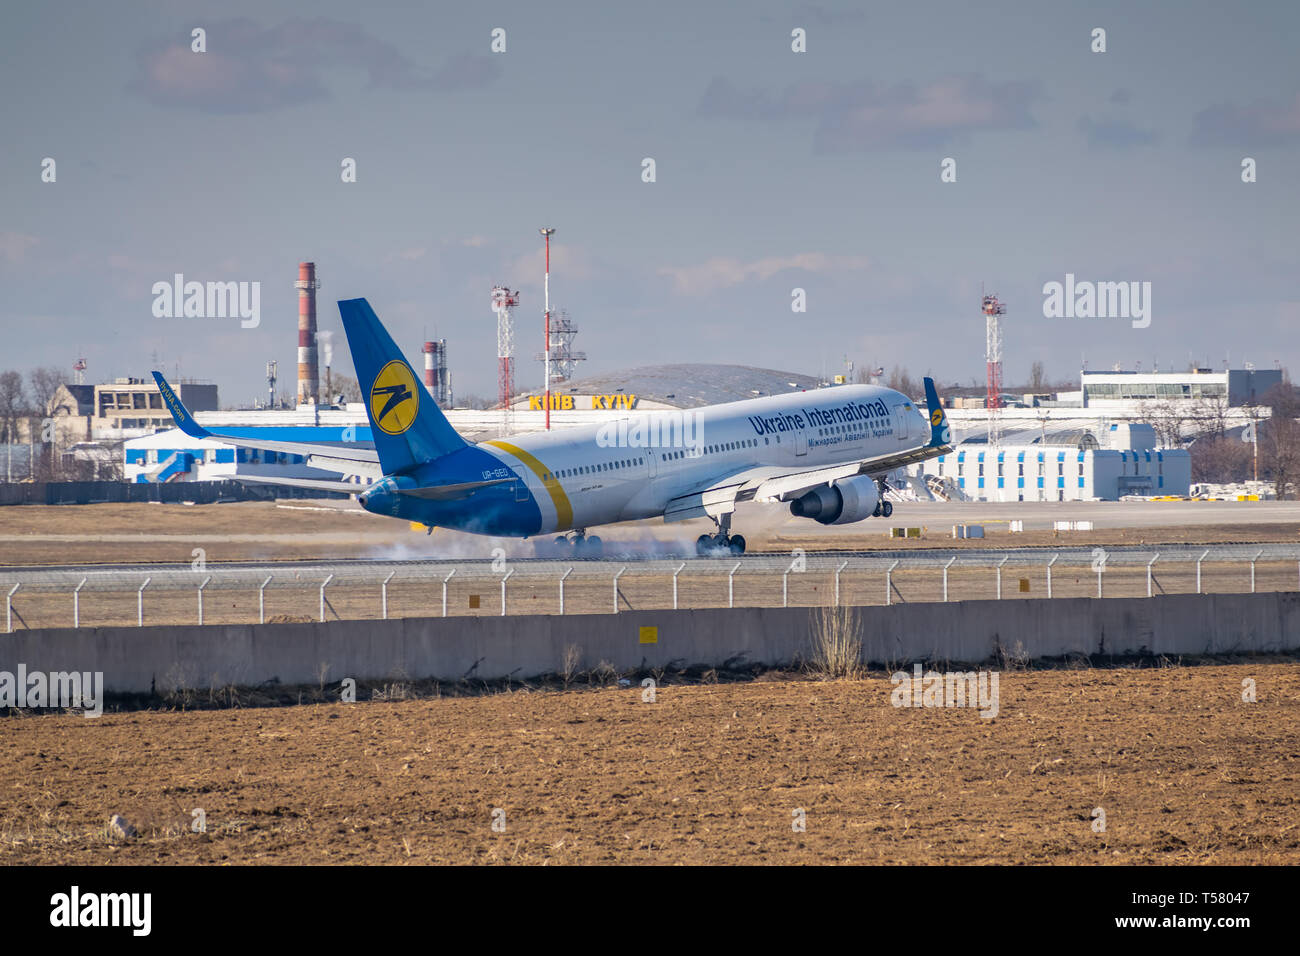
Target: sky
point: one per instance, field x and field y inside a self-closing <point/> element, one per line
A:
<point x="775" y="170"/>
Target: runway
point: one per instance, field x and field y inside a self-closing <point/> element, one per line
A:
<point x="1039" y="515"/>
<point x="754" y="561"/>
<point x="338" y="534"/>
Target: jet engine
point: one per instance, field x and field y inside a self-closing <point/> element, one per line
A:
<point x="849" y="499"/>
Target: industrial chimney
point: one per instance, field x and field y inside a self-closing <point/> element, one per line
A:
<point x="308" y="375"/>
<point x="436" y="381"/>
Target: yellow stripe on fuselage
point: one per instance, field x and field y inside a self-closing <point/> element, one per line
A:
<point x="563" y="509"/>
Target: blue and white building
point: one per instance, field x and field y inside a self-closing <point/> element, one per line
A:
<point x="171" y="455"/>
<point x="1068" y="467"/>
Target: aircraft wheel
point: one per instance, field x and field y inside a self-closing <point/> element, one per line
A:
<point x="702" y="544"/>
<point x="595" y="549"/>
<point x="876" y="512"/>
<point x="736" y="544"/>
<point x="887" y="508"/>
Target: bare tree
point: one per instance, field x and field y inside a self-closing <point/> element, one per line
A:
<point x="862" y="373"/>
<point x="44" y="383"/>
<point x="1220" y="459"/>
<point x="1211" y="415"/>
<point x="1167" y="418"/>
<point x="344" y="385"/>
<point x="13" y="405"/>
<point x="1279" y="439"/>
<point x="1037" y="377"/>
<point x="900" y="380"/>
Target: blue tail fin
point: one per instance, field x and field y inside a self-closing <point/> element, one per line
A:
<point x="940" y="434"/>
<point x="408" y="427"/>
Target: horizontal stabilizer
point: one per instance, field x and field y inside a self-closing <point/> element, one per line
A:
<point x="450" y="492"/>
<point x="316" y="484"/>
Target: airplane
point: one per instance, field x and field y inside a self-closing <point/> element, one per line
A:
<point x="825" y="452"/>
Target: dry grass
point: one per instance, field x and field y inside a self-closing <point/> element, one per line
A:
<point x="836" y="638"/>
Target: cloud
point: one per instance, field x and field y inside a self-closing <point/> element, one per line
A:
<point x="819" y="14"/>
<point x="723" y="272"/>
<point x="14" y="246"/>
<point x="1114" y="133"/>
<point x="1121" y="97"/>
<point x="251" y="69"/>
<point x="1262" y="123"/>
<point x="866" y="115"/>
<point x="569" y="262"/>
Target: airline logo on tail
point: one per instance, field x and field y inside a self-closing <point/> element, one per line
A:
<point x="394" y="398"/>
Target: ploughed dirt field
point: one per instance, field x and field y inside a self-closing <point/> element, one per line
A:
<point x="1184" y="771"/>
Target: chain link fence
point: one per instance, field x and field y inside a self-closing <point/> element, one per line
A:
<point x="243" y="594"/>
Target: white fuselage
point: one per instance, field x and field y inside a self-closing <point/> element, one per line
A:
<point x="633" y="466"/>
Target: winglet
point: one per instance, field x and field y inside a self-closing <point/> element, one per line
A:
<point x="940" y="434"/>
<point x="180" y="414"/>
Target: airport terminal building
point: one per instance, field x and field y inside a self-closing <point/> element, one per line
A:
<point x="1067" y="467"/>
<point x="1121" y="389"/>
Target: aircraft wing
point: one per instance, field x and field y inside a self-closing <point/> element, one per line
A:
<point x="329" y="457"/>
<point x="793" y="485"/>
<point x="768" y="483"/>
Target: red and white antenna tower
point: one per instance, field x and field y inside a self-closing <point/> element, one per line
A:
<point x="80" y="368"/>
<point x="547" y="232"/>
<point x="503" y="300"/>
<point x="564" y="357"/>
<point x="993" y="308"/>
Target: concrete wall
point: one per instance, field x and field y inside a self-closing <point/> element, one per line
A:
<point x="163" y="658"/>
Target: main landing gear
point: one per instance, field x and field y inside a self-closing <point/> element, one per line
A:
<point x="883" y="508"/>
<point x="721" y="543"/>
<point x="579" y="545"/>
